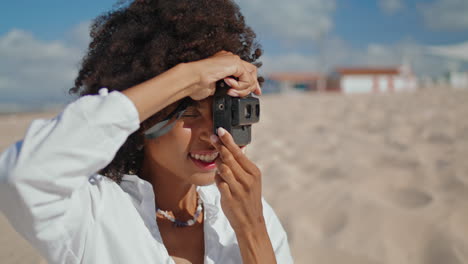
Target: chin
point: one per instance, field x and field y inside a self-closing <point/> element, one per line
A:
<point x="203" y="179"/>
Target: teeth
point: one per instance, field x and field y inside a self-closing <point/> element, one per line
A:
<point x="205" y="158"/>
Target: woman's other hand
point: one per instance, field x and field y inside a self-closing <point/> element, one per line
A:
<point x="239" y="182"/>
<point x="220" y="66"/>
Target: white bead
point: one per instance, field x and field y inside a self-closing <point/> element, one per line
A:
<point x="189" y="222"/>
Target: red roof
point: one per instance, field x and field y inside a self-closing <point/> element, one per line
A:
<point x="368" y="71"/>
<point x="295" y="76"/>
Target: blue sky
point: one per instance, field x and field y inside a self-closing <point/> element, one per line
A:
<point x="50" y="20"/>
<point x="41" y="42"/>
<point x="375" y="25"/>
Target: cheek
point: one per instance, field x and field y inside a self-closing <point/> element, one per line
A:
<point x="171" y="147"/>
<point x="178" y="140"/>
<point x="182" y="138"/>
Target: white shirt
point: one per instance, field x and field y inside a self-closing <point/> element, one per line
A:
<point x="51" y="194"/>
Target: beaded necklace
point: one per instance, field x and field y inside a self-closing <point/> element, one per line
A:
<point x="178" y="223"/>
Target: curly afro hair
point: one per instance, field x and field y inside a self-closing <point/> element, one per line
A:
<point x="138" y="41"/>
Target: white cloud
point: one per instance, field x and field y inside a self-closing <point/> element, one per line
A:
<point x="403" y="52"/>
<point x="446" y="14"/>
<point x="32" y="70"/>
<point x="79" y="35"/>
<point x="336" y="52"/>
<point x="391" y="6"/>
<point x="456" y="51"/>
<point x="293" y="61"/>
<point x="298" y="20"/>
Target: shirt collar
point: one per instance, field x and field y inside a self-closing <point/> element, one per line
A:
<point x="143" y="197"/>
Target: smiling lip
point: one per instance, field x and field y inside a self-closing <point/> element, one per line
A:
<point x="204" y="152"/>
<point x="204" y="166"/>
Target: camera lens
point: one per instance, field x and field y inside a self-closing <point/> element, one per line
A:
<point x="248" y="111"/>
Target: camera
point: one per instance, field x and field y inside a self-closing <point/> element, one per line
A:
<point x="235" y="114"/>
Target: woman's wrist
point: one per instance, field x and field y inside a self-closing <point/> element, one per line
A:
<point x="168" y="87"/>
<point x="191" y="74"/>
<point x="255" y="245"/>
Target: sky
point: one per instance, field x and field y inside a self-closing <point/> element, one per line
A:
<point x="42" y="42"/>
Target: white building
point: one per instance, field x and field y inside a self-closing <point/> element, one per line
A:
<point x="458" y="80"/>
<point x="457" y="54"/>
<point x="371" y="79"/>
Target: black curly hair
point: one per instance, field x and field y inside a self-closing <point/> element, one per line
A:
<point x="144" y="38"/>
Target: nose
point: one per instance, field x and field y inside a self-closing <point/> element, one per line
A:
<point x="206" y="128"/>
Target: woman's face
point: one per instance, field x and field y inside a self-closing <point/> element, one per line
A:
<point x="185" y="152"/>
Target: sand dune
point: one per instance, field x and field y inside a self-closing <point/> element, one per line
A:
<point x="375" y="178"/>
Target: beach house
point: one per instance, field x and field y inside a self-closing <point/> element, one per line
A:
<point x="458" y="79"/>
<point x="371" y="79"/>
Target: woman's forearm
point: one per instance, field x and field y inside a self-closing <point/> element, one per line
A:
<point x="155" y="94"/>
<point x="255" y="246"/>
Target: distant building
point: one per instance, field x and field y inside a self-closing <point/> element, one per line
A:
<point x="294" y="81"/>
<point x="458" y="80"/>
<point x="371" y="79"/>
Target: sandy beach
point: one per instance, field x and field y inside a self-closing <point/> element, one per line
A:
<point x="356" y="179"/>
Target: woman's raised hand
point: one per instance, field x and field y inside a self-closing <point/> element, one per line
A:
<point x="196" y="79"/>
<point x="220" y="66"/>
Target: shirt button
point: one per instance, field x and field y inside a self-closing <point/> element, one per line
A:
<point x="94" y="179"/>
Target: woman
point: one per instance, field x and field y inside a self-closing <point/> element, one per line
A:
<point x="132" y="173"/>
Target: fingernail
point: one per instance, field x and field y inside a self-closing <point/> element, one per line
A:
<point x="243" y="149"/>
<point x="233" y="93"/>
<point x="221" y="131"/>
<point x="214" y="138"/>
<point x="228" y="82"/>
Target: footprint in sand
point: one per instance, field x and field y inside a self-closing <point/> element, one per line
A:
<point x="331" y="174"/>
<point x="333" y="223"/>
<point x="441" y="249"/>
<point x="439" y="138"/>
<point x="411" y="198"/>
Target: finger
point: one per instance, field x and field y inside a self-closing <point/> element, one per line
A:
<point x="227" y="175"/>
<point x="227" y="140"/>
<point x="242" y="178"/>
<point x="258" y="91"/>
<point x="253" y="71"/>
<point x="235" y="90"/>
<point x="223" y="186"/>
<point x="237" y="93"/>
<point x="227" y="158"/>
<point x="231" y="82"/>
<point x="245" y="79"/>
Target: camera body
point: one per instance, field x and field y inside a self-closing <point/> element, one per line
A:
<point x="235" y="114"/>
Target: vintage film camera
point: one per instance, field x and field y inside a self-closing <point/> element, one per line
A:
<point x="235" y="114"/>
